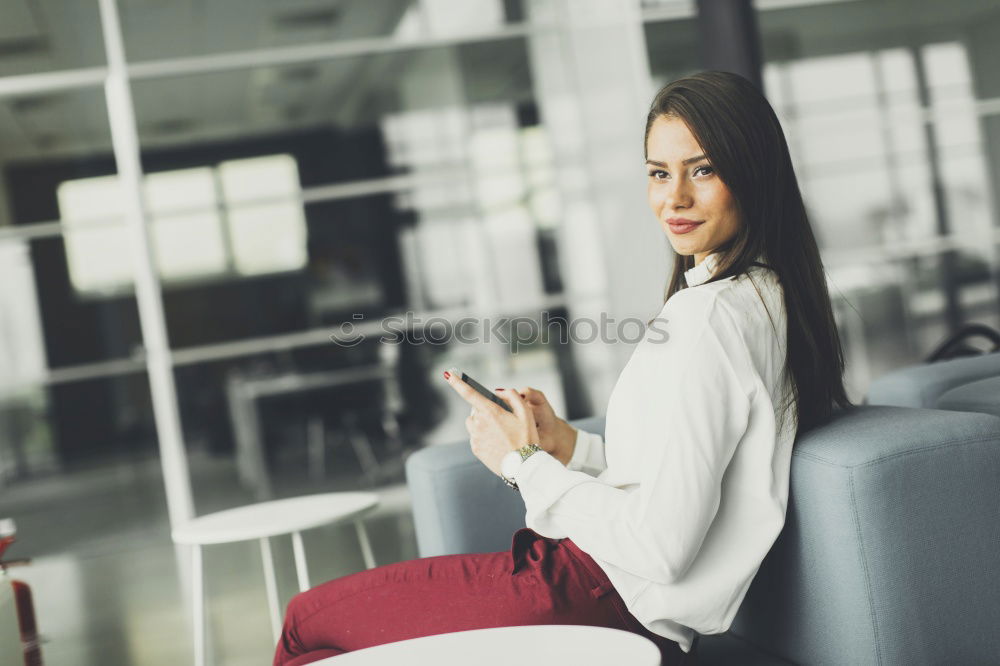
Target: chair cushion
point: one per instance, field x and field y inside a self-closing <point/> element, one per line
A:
<point x="981" y="396"/>
<point x="728" y="649"/>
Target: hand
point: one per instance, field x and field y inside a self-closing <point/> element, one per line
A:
<point x="493" y="431"/>
<point x="556" y="436"/>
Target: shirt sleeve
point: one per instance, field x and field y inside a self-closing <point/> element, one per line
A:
<point x="588" y="454"/>
<point x="698" y="403"/>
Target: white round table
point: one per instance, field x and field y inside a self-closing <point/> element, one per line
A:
<point x="532" y="645"/>
<point x="262" y="521"/>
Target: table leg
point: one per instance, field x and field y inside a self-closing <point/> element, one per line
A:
<point x="316" y="442"/>
<point x="255" y="442"/>
<point x="301" y="570"/>
<point x="251" y="463"/>
<point x="366" y="548"/>
<point x="198" y="599"/>
<point x="271" y="584"/>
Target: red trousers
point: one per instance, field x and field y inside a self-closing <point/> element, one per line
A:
<point x="540" y="581"/>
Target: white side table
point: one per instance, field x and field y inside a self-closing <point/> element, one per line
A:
<point x="262" y="521"/>
<point x="531" y="645"/>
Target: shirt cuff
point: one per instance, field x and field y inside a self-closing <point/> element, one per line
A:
<point x="542" y="479"/>
<point x="580" y="451"/>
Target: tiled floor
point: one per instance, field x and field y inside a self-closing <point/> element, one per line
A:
<point x="105" y="574"/>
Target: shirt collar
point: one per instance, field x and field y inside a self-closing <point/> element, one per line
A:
<point x="703" y="271"/>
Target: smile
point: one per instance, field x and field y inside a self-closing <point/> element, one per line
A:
<point x="683" y="228"/>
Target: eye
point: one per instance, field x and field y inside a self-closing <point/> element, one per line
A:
<point x="706" y="167"/>
<point x="656" y="171"/>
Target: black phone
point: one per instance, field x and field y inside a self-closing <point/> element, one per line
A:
<point x="480" y="388"/>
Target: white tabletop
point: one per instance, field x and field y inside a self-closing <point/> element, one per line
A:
<point x="532" y="645"/>
<point x="267" y="519"/>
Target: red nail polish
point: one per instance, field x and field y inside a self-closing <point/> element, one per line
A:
<point x="447" y="374"/>
<point x="499" y="389"/>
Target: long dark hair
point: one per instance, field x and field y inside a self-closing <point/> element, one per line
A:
<point x="742" y="137"/>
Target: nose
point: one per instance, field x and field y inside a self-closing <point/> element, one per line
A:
<point x="678" y="194"/>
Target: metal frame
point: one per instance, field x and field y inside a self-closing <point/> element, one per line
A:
<point x="149" y="297"/>
<point x="264" y="344"/>
<point x="294" y="55"/>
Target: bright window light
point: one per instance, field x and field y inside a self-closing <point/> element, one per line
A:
<point x="243" y="217"/>
<point x="98" y="256"/>
<point x="187" y="228"/>
<point x="266" y="221"/>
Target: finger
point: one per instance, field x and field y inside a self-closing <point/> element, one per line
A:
<point x="469" y="394"/>
<point x="520" y="406"/>
<point x="500" y="392"/>
<point x="533" y="396"/>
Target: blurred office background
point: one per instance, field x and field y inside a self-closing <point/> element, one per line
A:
<point x="302" y="164"/>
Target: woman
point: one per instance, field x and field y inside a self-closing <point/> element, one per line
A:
<point x="660" y="526"/>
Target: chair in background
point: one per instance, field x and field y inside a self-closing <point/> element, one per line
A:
<point x="922" y="385"/>
<point x="979" y="396"/>
<point x="886" y="556"/>
<point x="251" y="447"/>
<point x="951" y="364"/>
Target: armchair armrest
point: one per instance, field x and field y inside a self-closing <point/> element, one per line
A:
<point x="459" y="506"/>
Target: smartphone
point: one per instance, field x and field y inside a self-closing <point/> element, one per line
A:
<point x="480" y="388"/>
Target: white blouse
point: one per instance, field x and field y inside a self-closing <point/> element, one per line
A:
<point x="685" y="494"/>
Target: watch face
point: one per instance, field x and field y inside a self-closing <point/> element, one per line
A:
<point x="510" y="463"/>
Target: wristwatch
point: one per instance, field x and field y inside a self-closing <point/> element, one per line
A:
<point x="511" y="463"/>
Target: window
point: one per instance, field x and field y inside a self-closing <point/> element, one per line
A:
<point x="243" y="217"/>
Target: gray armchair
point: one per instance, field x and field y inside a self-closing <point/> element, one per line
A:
<point x="890" y="552"/>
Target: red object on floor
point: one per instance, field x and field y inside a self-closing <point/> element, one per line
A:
<point x="540" y="581"/>
<point x="23" y="606"/>
<point x="26" y="619"/>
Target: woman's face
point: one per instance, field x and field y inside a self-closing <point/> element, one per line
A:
<point x="682" y="185"/>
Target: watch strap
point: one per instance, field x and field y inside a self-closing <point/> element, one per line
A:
<point x="527" y="450"/>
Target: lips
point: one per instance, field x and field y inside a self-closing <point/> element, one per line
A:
<point x="680" y="225"/>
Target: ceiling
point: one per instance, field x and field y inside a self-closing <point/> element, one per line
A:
<point x="54" y="35"/>
<point x="44" y="35"/>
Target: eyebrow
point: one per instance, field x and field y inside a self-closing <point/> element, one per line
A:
<point x="689" y="160"/>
